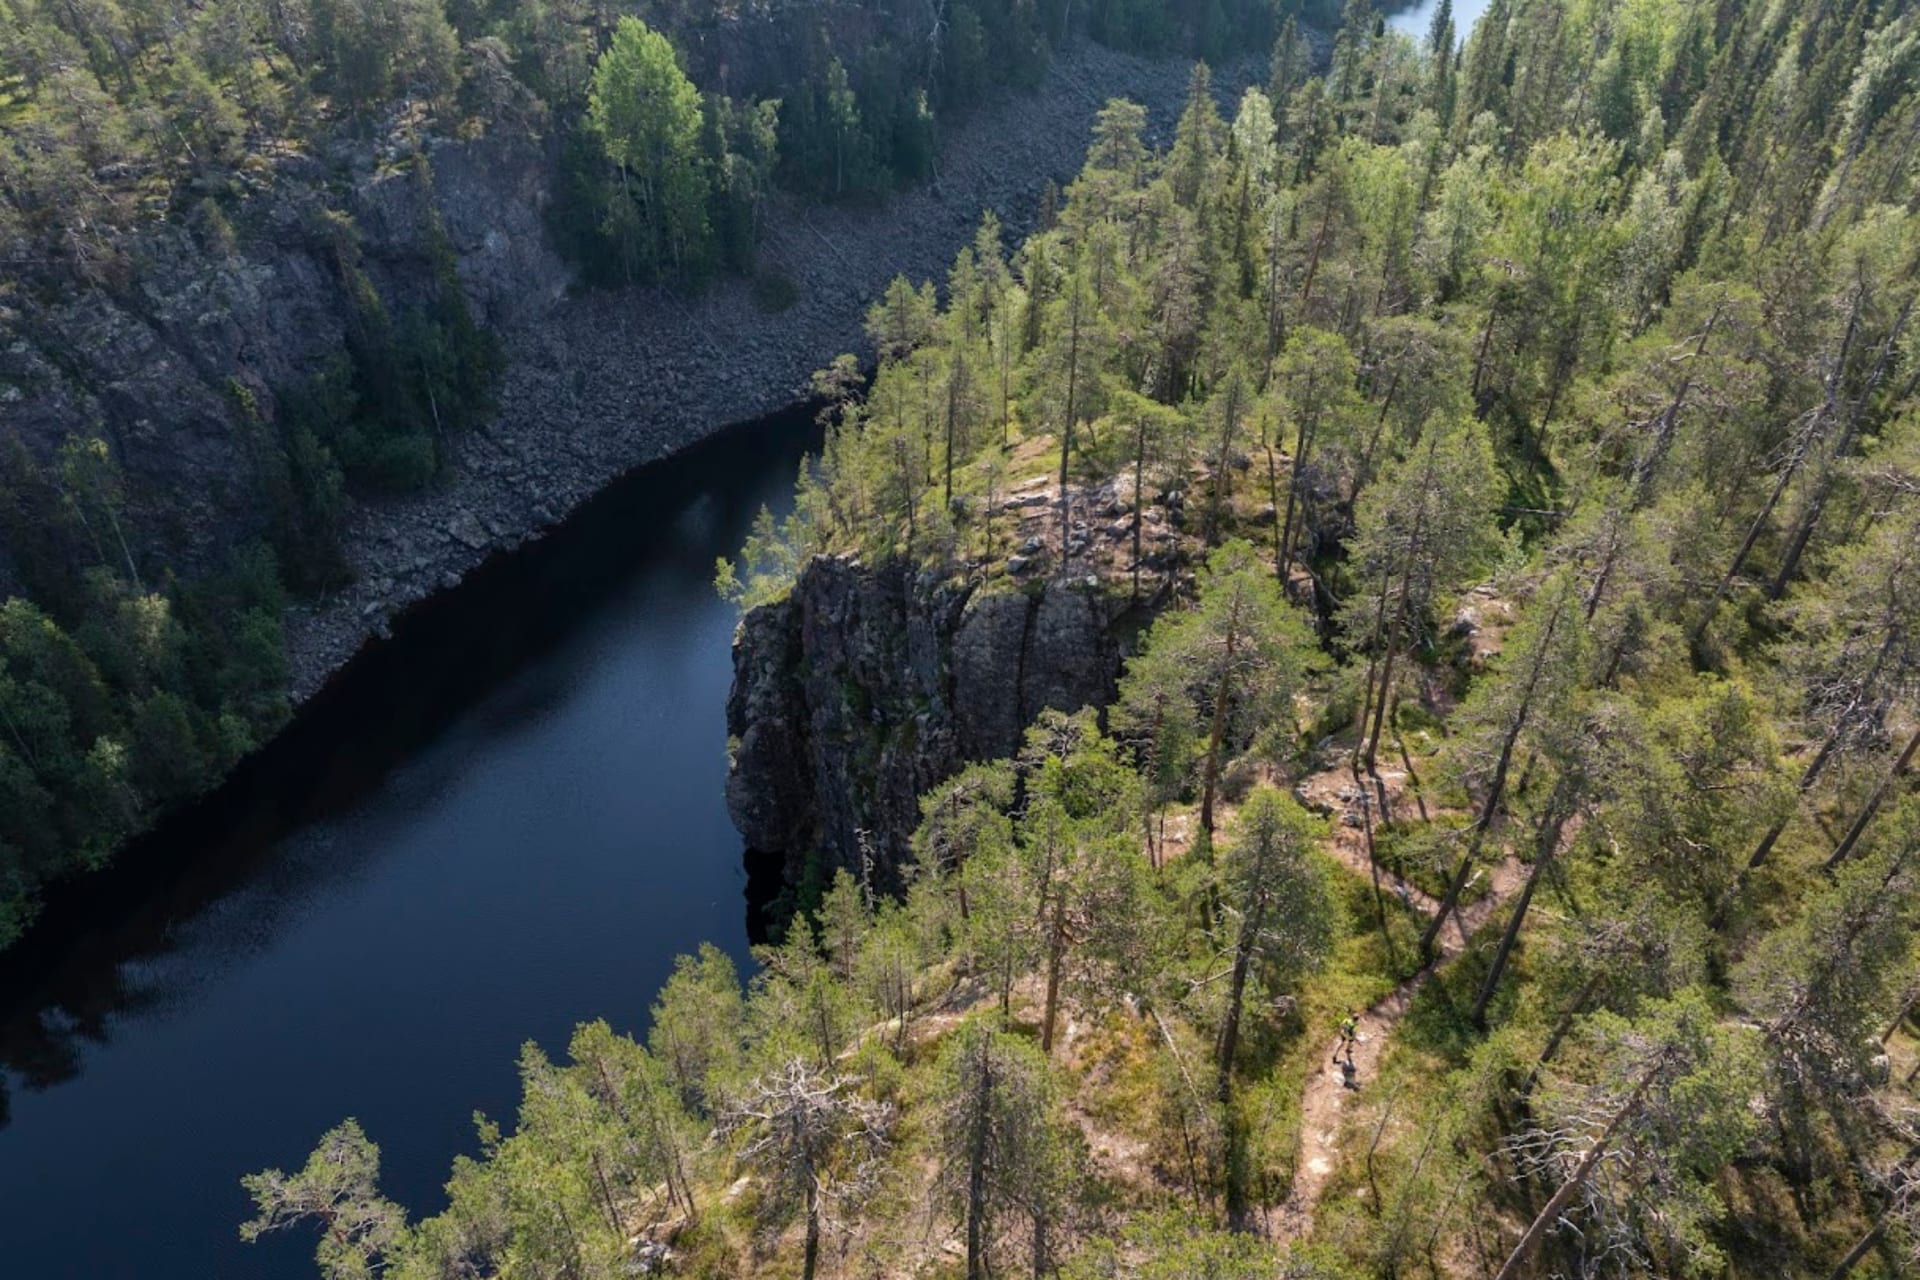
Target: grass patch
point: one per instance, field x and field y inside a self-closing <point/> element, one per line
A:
<point x="1382" y="956"/>
<point x="1425" y="855"/>
<point x="1439" y="1022"/>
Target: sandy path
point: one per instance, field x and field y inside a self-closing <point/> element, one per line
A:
<point x="1329" y="1091"/>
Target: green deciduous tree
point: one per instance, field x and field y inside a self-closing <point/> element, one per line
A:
<point x="646" y="114"/>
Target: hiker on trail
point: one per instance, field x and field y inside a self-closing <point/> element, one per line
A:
<point x="1349" y="1035"/>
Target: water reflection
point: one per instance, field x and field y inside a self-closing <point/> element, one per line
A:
<point x="94" y="954"/>
<point x="504" y="819"/>
<point x="1416" y="18"/>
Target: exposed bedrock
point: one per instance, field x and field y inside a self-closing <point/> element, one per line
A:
<point x="864" y="687"/>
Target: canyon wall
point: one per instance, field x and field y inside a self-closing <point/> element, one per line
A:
<point x="596" y="382"/>
<point x="866" y="686"/>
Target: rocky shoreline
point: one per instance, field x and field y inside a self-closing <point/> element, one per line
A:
<point x="601" y="383"/>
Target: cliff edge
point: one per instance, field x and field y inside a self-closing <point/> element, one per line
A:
<point x="866" y="686"/>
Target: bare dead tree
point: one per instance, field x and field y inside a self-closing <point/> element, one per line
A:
<point x="815" y="1139"/>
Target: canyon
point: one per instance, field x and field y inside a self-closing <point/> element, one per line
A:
<point x="596" y="382"/>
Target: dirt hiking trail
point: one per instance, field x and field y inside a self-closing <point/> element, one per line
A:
<point x="1329" y="1091"/>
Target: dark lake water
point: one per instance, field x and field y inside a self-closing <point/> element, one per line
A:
<point x="504" y="820"/>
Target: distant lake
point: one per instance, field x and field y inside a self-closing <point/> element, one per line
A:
<point x="1416" y="21"/>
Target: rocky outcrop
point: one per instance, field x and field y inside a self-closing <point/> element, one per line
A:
<point x="865" y="687"/>
<point x="608" y="381"/>
<point x="596" y="383"/>
<point x="149" y="356"/>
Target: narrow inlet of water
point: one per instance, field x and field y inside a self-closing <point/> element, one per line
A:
<point x="504" y="820"/>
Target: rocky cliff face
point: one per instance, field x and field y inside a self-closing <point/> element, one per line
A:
<point x="595" y="384"/>
<point x="866" y="686"/>
<point x="148" y="356"/>
<point x="606" y="381"/>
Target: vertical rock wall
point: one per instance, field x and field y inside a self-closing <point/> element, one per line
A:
<point x="866" y="686"/>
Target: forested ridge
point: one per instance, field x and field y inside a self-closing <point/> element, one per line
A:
<point x="1527" y="440"/>
<point x="166" y="166"/>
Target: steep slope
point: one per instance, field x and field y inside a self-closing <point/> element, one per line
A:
<point x="604" y="382"/>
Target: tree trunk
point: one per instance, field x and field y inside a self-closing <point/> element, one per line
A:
<point x="977" y="1171"/>
<point x="1319" y="247"/>
<point x="1496" y="791"/>
<point x="1066" y="427"/>
<point x="1860" y="1249"/>
<point x="1582" y="1171"/>
<point x="906" y="483"/>
<point x="1802" y="535"/>
<point x="1798" y="456"/>
<point x="1147" y="811"/>
<point x="1294" y="473"/>
<point x="1392" y="637"/>
<point x="1456" y="884"/>
<point x="1274" y="325"/>
<point x="1906" y="1007"/>
<point x="1746" y="548"/>
<point x="1543" y="854"/>
<point x="956" y="381"/>
<point x="1219" y="727"/>
<point x="1139" y="482"/>
<point x="1004" y="357"/>
<point x="1664" y="425"/>
<point x="1379" y="429"/>
<point x="1273" y="500"/>
<point x="1823" y="490"/>
<point x="606" y="1193"/>
<point x="1056" y="954"/>
<point x="1560" y="1029"/>
<point x="1807" y="779"/>
<point x="1373" y="860"/>
<point x="1879" y="796"/>
<point x="1223" y="464"/>
<point x="1486" y="343"/>
<point x="1211" y="780"/>
<point x="126" y="552"/>
<point x="1380" y="708"/>
<point x="1236" y="998"/>
<point x="1373" y="664"/>
<point x="1605" y="575"/>
<point x="811" y="1260"/>
<point x="678" y="1185"/>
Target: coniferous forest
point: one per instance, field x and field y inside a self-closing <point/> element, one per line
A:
<point x="1502" y="854"/>
<point x="132" y="681"/>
